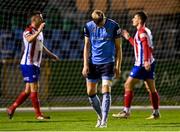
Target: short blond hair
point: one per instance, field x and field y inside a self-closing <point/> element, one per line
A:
<point x="96" y="14"/>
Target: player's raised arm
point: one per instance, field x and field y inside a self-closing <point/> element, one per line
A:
<point x="126" y="35"/>
<point x="49" y="53"/>
<point x="40" y="24"/>
<point x="118" y="59"/>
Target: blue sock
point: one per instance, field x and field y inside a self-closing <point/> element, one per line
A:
<point x="106" y="103"/>
<point x="96" y="104"/>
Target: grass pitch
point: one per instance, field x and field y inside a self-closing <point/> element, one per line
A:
<point x="86" y="120"/>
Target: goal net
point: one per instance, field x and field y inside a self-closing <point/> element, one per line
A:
<point x="61" y="83"/>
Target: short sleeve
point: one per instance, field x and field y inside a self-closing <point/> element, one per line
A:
<point x="142" y="35"/>
<point x="117" y="31"/>
<point x="86" y="31"/>
<point x="28" y="32"/>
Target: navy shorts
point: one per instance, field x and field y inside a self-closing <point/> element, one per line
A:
<point x="100" y="71"/>
<point x="30" y="73"/>
<point x="141" y="73"/>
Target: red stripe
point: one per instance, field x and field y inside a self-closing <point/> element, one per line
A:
<point x="32" y="51"/>
<point x="136" y="47"/>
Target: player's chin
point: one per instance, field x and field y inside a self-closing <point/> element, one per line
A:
<point x="134" y="24"/>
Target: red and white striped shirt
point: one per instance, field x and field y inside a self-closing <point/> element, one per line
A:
<point x="143" y="46"/>
<point x="32" y="51"/>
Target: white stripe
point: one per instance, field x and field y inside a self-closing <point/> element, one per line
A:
<point x="87" y="108"/>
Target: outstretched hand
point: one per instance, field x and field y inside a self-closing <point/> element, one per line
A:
<point x="56" y="58"/>
<point x="125" y="34"/>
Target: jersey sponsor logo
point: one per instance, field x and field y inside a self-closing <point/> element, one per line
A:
<point x="131" y="73"/>
<point x="26" y="78"/>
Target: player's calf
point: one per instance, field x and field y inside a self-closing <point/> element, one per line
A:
<point x="20" y="99"/>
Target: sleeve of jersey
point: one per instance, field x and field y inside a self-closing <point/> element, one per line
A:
<point x="27" y="32"/>
<point x="131" y="40"/>
<point x="143" y="39"/>
<point x="117" y="32"/>
<point x="86" y="31"/>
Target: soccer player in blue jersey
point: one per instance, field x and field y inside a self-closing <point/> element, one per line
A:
<point x="102" y="59"/>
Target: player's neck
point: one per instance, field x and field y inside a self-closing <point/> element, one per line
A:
<point x="102" y="23"/>
<point x="139" y="26"/>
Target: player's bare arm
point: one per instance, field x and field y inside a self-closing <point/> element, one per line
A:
<point x="127" y="36"/>
<point x="86" y="56"/>
<point x="49" y="53"/>
<point x="118" y="59"/>
<point x="33" y="37"/>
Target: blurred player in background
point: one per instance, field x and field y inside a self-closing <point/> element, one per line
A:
<point x="102" y="58"/>
<point x="30" y="64"/>
<point x="144" y="66"/>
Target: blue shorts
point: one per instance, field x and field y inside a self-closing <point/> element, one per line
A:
<point x="30" y="73"/>
<point x="139" y="72"/>
<point x="100" y="71"/>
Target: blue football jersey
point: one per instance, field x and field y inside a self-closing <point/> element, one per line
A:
<point x="102" y="40"/>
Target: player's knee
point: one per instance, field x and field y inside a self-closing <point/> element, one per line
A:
<point x="27" y="91"/>
<point x="91" y="91"/>
<point x="106" y="83"/>
<point x="127" y="86"/>
<point x="152" y="90"/>
<point x="106" y="86"/>
<point x="106" y="89"/>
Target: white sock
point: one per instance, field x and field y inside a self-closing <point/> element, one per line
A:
<point x="127" y="110"/>
<point x="156" y="111"/>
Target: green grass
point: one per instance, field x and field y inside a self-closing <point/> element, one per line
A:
<point x="85" y="121"/>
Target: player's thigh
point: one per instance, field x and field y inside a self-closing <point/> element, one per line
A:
<point x="150" y="84"/>
<point x="34" y="86"/>
<point x="91" y="87"/>
<point x="92" y="79"/>
<point x="27" y="88"/>
<point x="146" y="86"/>
<point x="130" y="83"/>
<point x="107" y="73"/>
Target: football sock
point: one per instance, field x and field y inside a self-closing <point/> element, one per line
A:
<point x="128" y="96"/>
<point x="96" y="104"/>
<point x="20" y="99"/>
<point x="35" y="103"/>
<point x="156" y="111"/>
<point x="154" y="97"/>
<point x="106" y="103"/>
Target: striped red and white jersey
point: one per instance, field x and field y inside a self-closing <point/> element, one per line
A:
<point x="143" y="46"/>
<point x="32" y="51"/>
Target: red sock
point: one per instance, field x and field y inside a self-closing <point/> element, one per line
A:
<point x="35" y="103"/>
<point x="128" y="96"/>
<point x="20" y="99"/>
<point x="154" y="100"/>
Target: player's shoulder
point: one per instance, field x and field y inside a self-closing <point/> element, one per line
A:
<point x="28" y="29"/>
<point x="144" y="30"/>
<point x="112" y="22"/>
<point x="89" y="24"/>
